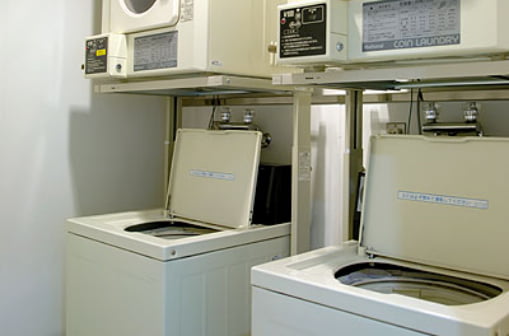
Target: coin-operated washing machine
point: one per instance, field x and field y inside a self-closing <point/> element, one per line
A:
<point x="153" y="38"/>
<point x="183" y="270"/>
<point x="432" y="255"/>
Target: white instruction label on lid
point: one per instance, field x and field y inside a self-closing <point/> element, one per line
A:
<point x="443" y="199"/>
<point x="213" y="175"/>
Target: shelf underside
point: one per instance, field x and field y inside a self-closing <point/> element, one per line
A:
<point x="195" y="86"/>
<point x="478" y="74"/>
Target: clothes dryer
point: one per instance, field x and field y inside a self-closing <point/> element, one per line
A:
<point x="154" y="38"/>
<point x="183" y="270"/>
<point x="430" y="257"/>
<point x="125" y="16"/>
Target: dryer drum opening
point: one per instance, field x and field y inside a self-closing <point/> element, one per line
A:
<point x="434" y="287"/>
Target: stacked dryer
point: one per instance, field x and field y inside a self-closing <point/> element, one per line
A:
<point x="148" y="38"/>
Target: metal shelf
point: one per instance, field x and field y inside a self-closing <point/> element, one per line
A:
<point x="457" y="75"/>
<point x="195" y="86"/>
<point x="480" y="74"/>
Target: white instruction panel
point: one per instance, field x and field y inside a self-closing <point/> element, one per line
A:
<point x="443" y="199"/>
<point x="401" y="24"/>
<point x="158" y="51"/>
<point x="213" y="175"/>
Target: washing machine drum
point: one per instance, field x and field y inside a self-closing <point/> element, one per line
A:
<point x="139" y="15"/>
<point x="428" y="286"/>
<point x="168" y="229"/>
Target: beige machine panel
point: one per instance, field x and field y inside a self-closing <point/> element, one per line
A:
<point x="213" y="176"/>
<point x="439" y="201"/>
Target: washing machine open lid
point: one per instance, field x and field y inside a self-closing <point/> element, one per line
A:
<point x="439" y="201"/>
<point x="213" y="176"/>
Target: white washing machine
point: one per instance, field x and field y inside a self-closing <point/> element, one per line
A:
<point x="154" y="38"/>
<point x="183" y="270"/>
<point x="431" y="258"/>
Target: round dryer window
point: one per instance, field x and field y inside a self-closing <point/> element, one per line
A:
<point x="139" y="6"/>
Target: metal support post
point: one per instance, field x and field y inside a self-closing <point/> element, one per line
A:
<point x="301" y="172"/>
<point x="173" y="123"/>
<point x="352" y="159"/>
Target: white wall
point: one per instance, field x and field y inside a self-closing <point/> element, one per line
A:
<point x="328" y="140"/>
<point x="277" y="120"/>
<point x="494" y="117"/>
<point x="65" y="152"/>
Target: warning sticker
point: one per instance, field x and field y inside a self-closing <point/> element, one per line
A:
<point x="186" y="10"/>
<point x="302" y="31"/>
<point x="157" y="51"/>
<point x="401" y="24"/>
<point x="96" y="55"/>
<point x="443" y="200"/>
<point x="305" y="166"/>
<point x="212" y="175"/>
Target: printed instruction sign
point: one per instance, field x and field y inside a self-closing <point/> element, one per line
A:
<point x="401" y="24"/>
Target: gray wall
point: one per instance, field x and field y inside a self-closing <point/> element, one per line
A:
<point x="64" y="152"/>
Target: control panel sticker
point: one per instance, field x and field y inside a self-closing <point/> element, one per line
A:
<point x="212" y="175"/>
<point x="443" y="199"/>
<point x="186" y="10"/>
<point x="305" y="166"/>
<point x="402" y="24"/>
<point x="157" y="51"/>
<point x="96" y="55"/>
<point x="303" y="31"/>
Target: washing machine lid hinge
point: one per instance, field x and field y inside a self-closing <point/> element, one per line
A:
<point x="365" y="252"/>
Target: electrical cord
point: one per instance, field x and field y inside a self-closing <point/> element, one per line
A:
<point x="420" y="99"/>
<point x="215" y="103"/>
<point x="409" y="123"/>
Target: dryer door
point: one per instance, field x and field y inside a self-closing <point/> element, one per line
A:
<point x="138" y="15"/>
